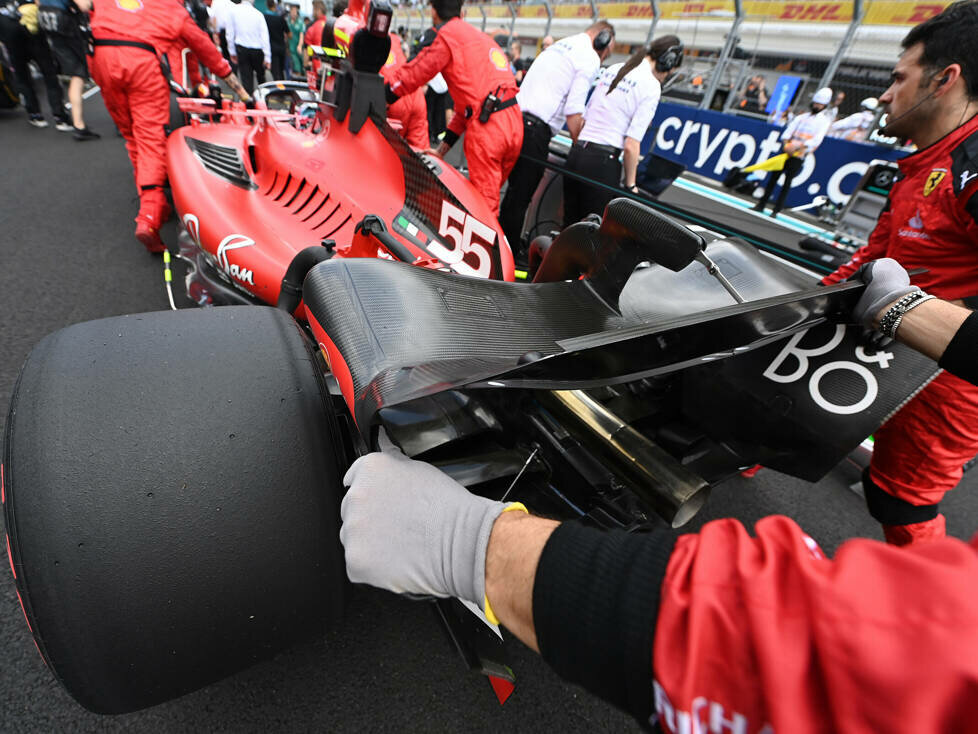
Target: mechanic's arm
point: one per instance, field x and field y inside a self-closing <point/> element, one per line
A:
<point x="416" y="72"/>
<point x="84" y="5"/>
<point x="945" y="332"/>
<point x="630" y="161"/>
<point x="210" y="56"/>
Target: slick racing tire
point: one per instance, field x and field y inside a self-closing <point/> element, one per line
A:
<point x="171" y="497"/>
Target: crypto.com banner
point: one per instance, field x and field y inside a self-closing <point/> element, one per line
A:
<point x="711" y="143"/>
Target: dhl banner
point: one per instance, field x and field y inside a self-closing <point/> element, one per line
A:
<point x="878" y="12"/>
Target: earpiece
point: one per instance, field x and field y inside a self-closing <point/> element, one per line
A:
<point x="944" y="80"/>
<point x="603" y="40"/>
<point x="669" y="59"/>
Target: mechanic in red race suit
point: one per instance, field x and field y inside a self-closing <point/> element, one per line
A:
<point x="129" y="35"/>
<point x="931" y="221"/>
<point x="314" y="37"/>
<point x="715" y="631"/>
<point x="411" y="110"/>
<point x="484" y="89"/>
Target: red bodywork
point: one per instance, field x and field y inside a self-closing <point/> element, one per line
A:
<point x="254" y="188"/>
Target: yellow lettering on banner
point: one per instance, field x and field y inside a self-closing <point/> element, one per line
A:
<point x="879" y="12"/>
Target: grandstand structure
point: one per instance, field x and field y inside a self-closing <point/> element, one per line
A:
<point x="849" y="45"/>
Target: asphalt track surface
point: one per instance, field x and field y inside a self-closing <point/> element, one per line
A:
<point x="67" y="255"/>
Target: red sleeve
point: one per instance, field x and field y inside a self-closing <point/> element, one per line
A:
<point x="412" y="75"/>
<point x="872" y="250"/>
<point x="767" y="634"/>
<point x="203" y="47"/>
<point x="459" y="121"/>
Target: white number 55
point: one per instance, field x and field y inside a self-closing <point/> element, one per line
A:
<point x="474" y="237"/>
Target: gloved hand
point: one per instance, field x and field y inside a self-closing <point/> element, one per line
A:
<point x="409" y="528"/>
<point x="886" y="281"/>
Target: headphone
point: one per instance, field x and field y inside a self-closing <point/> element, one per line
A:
<point x="603" y="40"/>
<point x="669" y="59"/>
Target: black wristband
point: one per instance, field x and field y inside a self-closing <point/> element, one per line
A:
<point x="959" y="357"/>
<point x="595" y="602"/>
<point x="450" y="138"/>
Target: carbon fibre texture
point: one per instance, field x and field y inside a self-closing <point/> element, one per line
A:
<point x="406" y="331"/>
<point x="424" y="192"/>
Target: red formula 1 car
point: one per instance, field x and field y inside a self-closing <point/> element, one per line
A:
<point x="171" y="481"/>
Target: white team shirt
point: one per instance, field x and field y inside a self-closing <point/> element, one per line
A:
<point x="220" y="13"/>
<point x="557" y="82"/>
<point x="809" y="128"/>
<point x="853" y="127"/>
<point x="247" y="28"/>
<point x="627" y="111"/>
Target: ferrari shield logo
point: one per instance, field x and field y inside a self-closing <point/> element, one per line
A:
<point x="132" y="6"/>
<point x="934" y="180"/>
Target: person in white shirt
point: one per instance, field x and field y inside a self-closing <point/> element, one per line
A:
<point x="800" y="139"/>
<point x="857" y="126"/>
<point x="555" y="88"/>
<point x="220" y="14"/>
<point x="618" y="115"/>
<point x="249" y="43"/>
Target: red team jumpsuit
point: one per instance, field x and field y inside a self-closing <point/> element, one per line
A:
<point x="473" y="66"/>
<point x="931" y="221"/>
<point x="765" y="634"/>
<point x="135" y="91"/>
<point x="410" y="111"/>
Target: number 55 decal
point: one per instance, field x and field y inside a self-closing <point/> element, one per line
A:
<point x="468" y="236"/>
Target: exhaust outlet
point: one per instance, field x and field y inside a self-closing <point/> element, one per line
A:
<point x="675" y="493"/>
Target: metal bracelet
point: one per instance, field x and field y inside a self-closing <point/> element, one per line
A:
<point x="894" y="316"/>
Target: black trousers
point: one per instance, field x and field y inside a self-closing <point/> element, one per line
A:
<point x="437" y="105"/>
<point x="524" y="179"/>
<point x="278" y="64"/>
<point x="581" y="199"/>
<point x="24" y="47"/>
<point x="791" y="168"/>
<point x="251" y="64"/>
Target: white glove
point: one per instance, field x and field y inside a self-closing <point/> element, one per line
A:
<point x="410" y="528"/>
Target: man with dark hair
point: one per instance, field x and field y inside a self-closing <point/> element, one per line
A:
<point x="483" y="89"/>
<point x="931" y="222"/>
<point x="555" y="88"/>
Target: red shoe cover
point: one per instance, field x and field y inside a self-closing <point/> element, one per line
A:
<point x="918" y="532"/>
<point x="752" y="472"/>
<point x="149" y="236"/>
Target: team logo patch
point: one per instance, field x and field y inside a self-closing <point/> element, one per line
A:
<point x="498" y="58"/>
<point x="934" y="180"/>
<point x="131" y="6"/>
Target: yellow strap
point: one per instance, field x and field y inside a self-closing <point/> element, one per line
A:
<point x="493" y="619"/>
